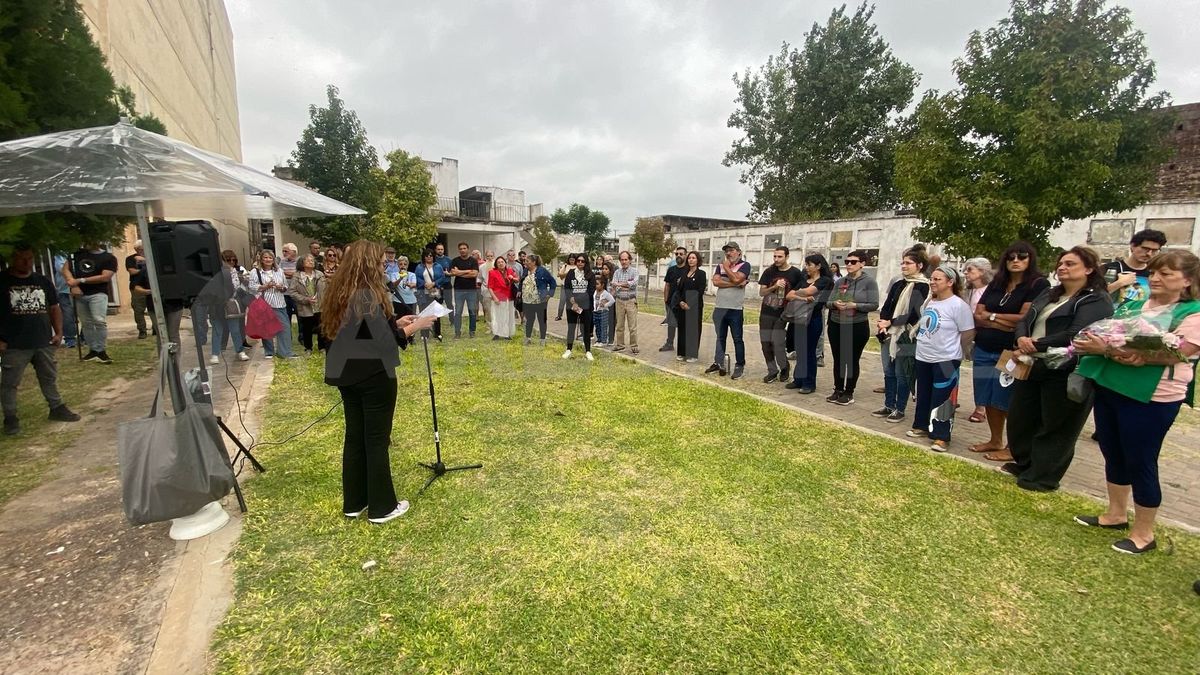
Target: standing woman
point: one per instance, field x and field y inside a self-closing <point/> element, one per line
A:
<point x="357" y="305"/>
<point x="268" y="281"/>
<point x="579" y="283"/>
<point x="227" y="320"/>
<point x="689" y="308"/>
<point x="500" y="281"/>
<point x="836" y="271"/>
<point x="536" y="290"/>
<point x="946" y="326"/>
<point x="1137" y="399"/>
<point x="430" y="279"/>
<point x="816" y="290"/>
<point x="563" y="301"/>
<point x="1045" y="423"/>
<point x="896" y="327"/>
<point x="854" y="297"/>
<point x="978" y="272"/>
<point x="304" y="288"/>
<point x="1001" y="308"/>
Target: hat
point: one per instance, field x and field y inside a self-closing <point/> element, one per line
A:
<point x="733" y="245"/>
<point x="389" y="250"/>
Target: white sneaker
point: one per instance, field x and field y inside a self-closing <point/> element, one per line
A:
<point x="588" y="356"/>
<point x="400" y="510"/>
<point x="567" y="354"/>
<point x="243" y="356"/>
<point x="215" y="360"/>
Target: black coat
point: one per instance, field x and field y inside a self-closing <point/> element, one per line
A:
<point x="1087" y="307"/>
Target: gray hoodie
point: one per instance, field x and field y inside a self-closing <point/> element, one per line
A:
<point x="863" y="291"/>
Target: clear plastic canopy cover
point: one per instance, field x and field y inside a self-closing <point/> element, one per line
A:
<point x="109" y="170"/>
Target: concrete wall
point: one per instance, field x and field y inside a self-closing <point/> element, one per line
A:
<point x="444" y="175"/>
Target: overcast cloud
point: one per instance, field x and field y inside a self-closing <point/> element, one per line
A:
<point x="619" y="105"/>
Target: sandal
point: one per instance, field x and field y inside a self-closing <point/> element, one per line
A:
<point x="984" y="447"/>
<point x="997" y="457"/>
<point x="976" y="417"/>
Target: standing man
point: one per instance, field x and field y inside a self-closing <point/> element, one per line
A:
<point x="135" y="265"/>
<point x="624" y="288"/>
<point x="481" y="284"/>
<point x="391" y="273"/>
<point x="776" y="286"/>
<point x="440" y="258"/>
<point x="93" y="270"/>
<point x="287" y="263"/>
<point x="669" y="282"/>
<point x="1129" y="279"/>
<point x="517" y="264"/>
<point x="730" y="279"/>
<point x="314" y="249"/>
<point x="65" y="302"/>
<point x="464" y="270"/>
<point x="30" y="329"/>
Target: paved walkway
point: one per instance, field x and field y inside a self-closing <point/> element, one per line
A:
<point x="1179" y="464"/>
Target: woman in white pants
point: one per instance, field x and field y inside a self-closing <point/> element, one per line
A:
<point x="499" y="285"/>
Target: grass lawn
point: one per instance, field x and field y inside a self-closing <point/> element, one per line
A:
<point x="25" y="459"/>
<point x="631" y="521"/>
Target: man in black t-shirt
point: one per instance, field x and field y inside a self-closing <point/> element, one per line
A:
<point x="1129" y="279"/>
<point x="30" y="330"/>
<point x="464" y="270"/>
<point x="776" y="286"/>
<point x="88" y="277"/>
<point x="669" y="282"/>
<point x="135" y="265"/>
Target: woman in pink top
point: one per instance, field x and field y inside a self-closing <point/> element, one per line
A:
<point x="499" y="286"/>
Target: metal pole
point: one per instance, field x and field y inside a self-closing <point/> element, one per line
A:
<point x="160" y="314"/>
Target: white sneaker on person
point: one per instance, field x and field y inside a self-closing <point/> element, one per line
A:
<point x="215" y="360"/>
<point x="243" y="356"/>
<point x="400" y="510"/>
<point x="588" y="356"/>
<point x="567" y="354"/>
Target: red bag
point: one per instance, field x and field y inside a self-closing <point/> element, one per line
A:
<point x="261" y="321"/>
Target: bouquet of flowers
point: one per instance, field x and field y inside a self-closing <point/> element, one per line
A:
<point x="1131" y="334"/>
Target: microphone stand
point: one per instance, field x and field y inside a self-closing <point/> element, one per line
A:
<point x="438" y="468"/>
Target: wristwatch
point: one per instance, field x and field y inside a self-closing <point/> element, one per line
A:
<point x="992" y="316"/>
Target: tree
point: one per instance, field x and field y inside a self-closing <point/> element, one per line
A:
<point x="1051" y="121"/>
<point x="404" y="218"/>
<point x="593" y="225"/>
<point x="545" y="244"/>
<point x="820" y="123"/>
<point x="651" y="243"/>
<point x="334" y="158"/>
<point x="53" y="77"/>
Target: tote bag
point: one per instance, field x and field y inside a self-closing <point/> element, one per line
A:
<point x="261" y="322"/>
<point x="171" y="466"/>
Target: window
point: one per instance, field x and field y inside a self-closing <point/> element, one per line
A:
<point x="770" y="241"/>
<point x="705" y="245"/>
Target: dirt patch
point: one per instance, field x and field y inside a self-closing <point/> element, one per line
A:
<point x="83" y="589"/>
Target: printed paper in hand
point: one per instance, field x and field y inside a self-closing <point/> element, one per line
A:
<point x="435" y="309"/>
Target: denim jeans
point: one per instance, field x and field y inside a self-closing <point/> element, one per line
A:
<point x="93" y="315"/>
<point x="600" y="320"/>
<point x="219" y="329"/>
<point x="465" y="301"/>
<point x="895" y="385"/>
<point x="804" y="374"/>
<point x="282" y="342"/>
<point x="729" y="321"/>
<point x="70" y="330"/>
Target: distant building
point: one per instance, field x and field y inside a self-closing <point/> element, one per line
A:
<point x="610" y="246"/>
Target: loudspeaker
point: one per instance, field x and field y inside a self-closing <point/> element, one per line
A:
<point x="187" y="256"/>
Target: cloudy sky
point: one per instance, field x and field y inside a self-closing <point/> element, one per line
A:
<point x="621" y="105"/>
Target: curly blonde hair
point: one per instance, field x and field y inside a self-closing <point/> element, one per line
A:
<point x="360" y="270"/>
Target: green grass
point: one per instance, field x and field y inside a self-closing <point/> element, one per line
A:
<point x="631" y="521"/>
<point x="25" y="459"/>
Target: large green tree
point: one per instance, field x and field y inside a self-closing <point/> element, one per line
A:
<point x="545" y="244"/>
<point x="1053" y="119"/>
<point x="579" y="219"/>
<point x="820" y="123"/>
<point x="334" y="158"/>
<point x="651" y="242"/>
<point x="406" y="194"/>
<point x="53" y="77"/>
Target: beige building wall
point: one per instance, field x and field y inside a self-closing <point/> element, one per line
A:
<point x="177" y="57"/>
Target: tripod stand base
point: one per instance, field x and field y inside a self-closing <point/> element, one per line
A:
<point x="439" y="469"/>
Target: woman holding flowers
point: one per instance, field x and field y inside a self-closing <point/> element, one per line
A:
<point x="1140" y="380"/>
<point x="1043" y="422"/>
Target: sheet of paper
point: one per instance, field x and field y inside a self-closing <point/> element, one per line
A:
<point x="435" y="309"/>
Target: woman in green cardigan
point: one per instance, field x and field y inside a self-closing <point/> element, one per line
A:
<point x="1137" y="399"/>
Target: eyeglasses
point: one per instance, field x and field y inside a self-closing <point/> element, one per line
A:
<point x="853" y="262"/>
<point x="1018" y="256"/>
<point x="1147" y="249"/>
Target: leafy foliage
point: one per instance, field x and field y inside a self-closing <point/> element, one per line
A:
<point x="406" y="195"/>
<point x="53" y="77"/>
<point x="545" y="244"/>
<point x="334" y="157"/>
<point x="820" y="123"/>
<point x="593" y="225"/>
<point x="651" y="243"/>
<point x="1052" y="120"/>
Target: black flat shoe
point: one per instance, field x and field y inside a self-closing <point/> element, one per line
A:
<point x="1094" y="521"/>
<point x="1127" y="546"/>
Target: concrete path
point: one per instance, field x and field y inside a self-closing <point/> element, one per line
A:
<point x="1179" y="463"/>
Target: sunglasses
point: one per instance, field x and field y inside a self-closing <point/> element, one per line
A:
<point x="853" y="262"/>
<point x="1018" y="256"/>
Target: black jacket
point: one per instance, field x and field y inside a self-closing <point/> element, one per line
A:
<point x="1087" y="307"/>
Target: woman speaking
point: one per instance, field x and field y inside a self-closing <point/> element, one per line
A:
<point x="356" y="314"/>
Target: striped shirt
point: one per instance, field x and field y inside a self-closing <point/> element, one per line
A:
<point x="274" y="296"/>
<point x="627" y="275"/>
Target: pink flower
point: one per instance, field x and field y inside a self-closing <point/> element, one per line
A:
<point x="1171" y="340"/>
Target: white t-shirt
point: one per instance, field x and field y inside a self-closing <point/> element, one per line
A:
<point x="938" y="331"/>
